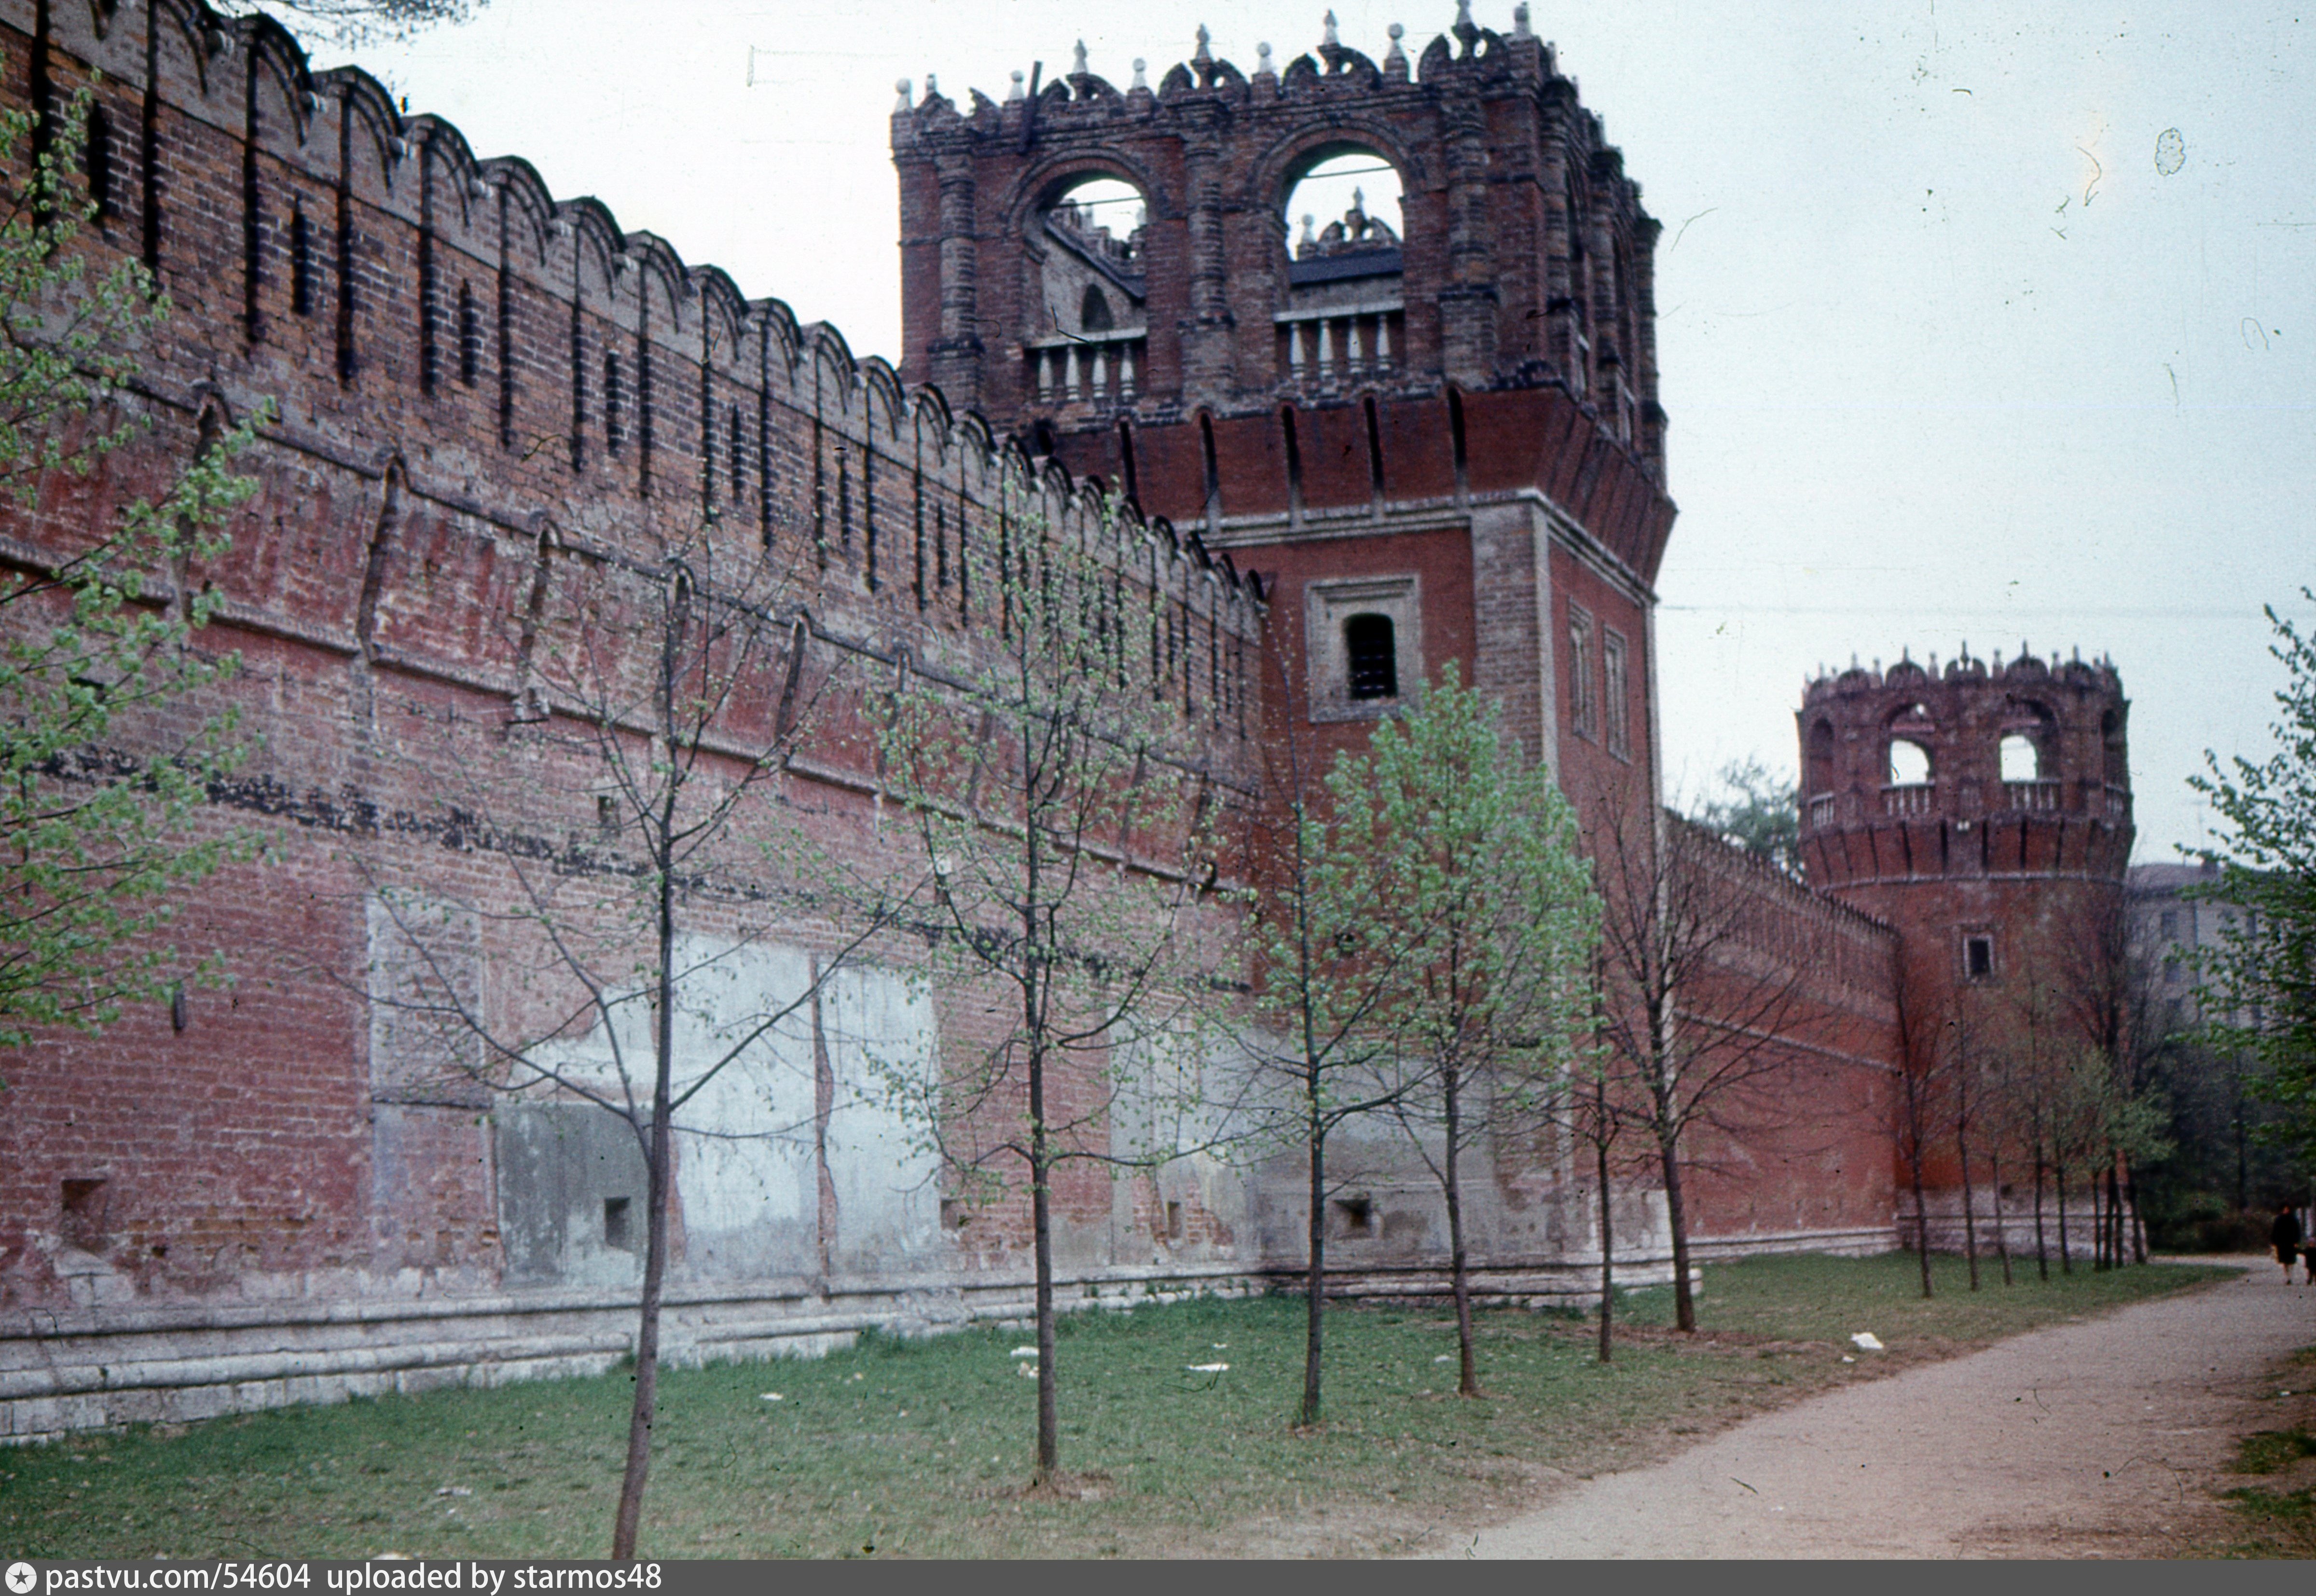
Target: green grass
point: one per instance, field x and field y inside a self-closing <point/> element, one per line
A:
<point x="921" y="1449"/>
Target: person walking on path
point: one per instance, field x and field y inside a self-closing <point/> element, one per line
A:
<point x="2284" y="1235"/>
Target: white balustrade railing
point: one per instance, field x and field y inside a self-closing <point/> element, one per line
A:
<point x="1098" y="368"/>
<point x="1349" y="342"/>
<point x="1908" y="798"/>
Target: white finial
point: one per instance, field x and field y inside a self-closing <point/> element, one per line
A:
<point x="1141" y="70"/>
<point x="1394" y="53"/>
<point x="1262" y="60"/>
<point x="902" y="87"/>
<point x="1519" y="22"/>
<point x="1017" y="93"/>
<point x="932" y="86"/>
<point x="1360" y="201"/>
<point x="1463" y="14"/>
<point x="1079" y="55"/>
<point x="1203" y="38"/>
<point x="1310" y="223"/>
<point x="1328" y="39"/>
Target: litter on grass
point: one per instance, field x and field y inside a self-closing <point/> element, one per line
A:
<point x="1865" y="1341"/>
<point x="454" y="1491"/>
<point x="1445" y="1358"/>
<point x="1207" y="1368"/>
<point x="1023" y="1352"/>
<point x="771" y="1396"/>
<point x="1029" y="1368"/>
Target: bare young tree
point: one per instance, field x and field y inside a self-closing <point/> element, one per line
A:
<point x="1051" y="781"/>
<point x="662" y="695"/>
<point x="1694" y="1022"/>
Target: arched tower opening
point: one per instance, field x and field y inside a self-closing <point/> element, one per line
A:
<point x="1342" y="321"/>
<point x="1086" y="342"/>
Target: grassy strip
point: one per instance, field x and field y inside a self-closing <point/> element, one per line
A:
<point x="2272" y="1522"/>
<point x="920" y="1450"/>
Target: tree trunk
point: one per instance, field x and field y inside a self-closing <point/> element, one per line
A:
<point x="1315" y="1330"/>
<point x="629" y="1517"/>
<point x="1921" y="1223"/>
<point x="2131" y="1208"/>
<point x="1969" y="1209"/>
<point x="1041" y="1212"/>
<point x="2066" y="1258"/>
<point x="1684" y="1301"/>
<point x="1467" y="1380"/>
<point x="2001" y="1224"/>
<point x="2042" y="1254"/>
<point x="1607" y="1226"/>
<point x="2116" y="1218"/>
<point x="2099" y="1229"/>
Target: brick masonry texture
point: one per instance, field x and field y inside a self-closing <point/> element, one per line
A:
<point x="494" y="407"/>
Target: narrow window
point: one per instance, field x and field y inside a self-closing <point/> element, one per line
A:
<point x="1355" y="1216"/>
<point x="1581" y="714"/>
<point x="1294" y="444"/>
<point x="470" y="335"/>
<point x="1093" y="311"/>
<point x="614" y="433"/>
<point x="1173" y="1221"/>
<point x="1214" y="472"/>
<point x="1126" y="464"/>
<point x="301" y="261"/>
<point x="619" y="1231"/>
<point x="1617" y="694"/>
<point x="739" y="466"/>
<point x="98" y="153"/>
<point x="1371" y="657"/>
<point x="1977" y="958"/>
<point x="1456" y="435"/>
<point x="1374" y="446"/>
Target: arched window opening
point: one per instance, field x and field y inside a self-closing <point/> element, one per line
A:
<point x="2021" y="760"/>
<point x="1343" y="205"/>
<point x="1371" y="657"/>
<point x="1910" y="763"/>
<point x="1085" y="341"/>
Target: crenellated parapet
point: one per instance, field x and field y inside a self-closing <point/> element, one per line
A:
<point x="1524" y="259"/>
<point x="466" y="369"/>
<point x="1977" y="768"/>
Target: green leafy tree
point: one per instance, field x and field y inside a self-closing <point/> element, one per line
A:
<point x="1050" y="778"/>
<point x="1485" y="904"/>
<point x="1324" y="989"/>
<point x="98" y="623"/>
<point x="1758" y="810"/>
<point x="2259" y="986"/>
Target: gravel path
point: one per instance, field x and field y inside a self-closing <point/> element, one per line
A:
<point x="2102" y="1437"/>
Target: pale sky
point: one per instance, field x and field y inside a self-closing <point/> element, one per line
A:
<point x="1958" y="345"/>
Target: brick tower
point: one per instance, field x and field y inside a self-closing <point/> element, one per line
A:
<point x="1437" y="444"/>
<point x="1984" y="811"/>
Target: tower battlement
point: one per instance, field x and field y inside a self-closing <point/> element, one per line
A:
<point x="1980" y="768"/>
<point x="1523" y="257"/>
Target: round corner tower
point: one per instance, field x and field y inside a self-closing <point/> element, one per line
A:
<point x="1984" y="811"/>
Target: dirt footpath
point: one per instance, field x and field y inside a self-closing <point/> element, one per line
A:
<point x="2102" y="1437"/>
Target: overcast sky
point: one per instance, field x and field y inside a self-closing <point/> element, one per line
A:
<point x="1978" y="323"/>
